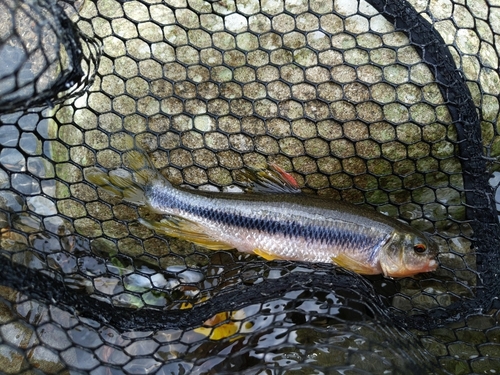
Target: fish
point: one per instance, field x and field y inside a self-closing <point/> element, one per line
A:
<point x="274" y="220"/>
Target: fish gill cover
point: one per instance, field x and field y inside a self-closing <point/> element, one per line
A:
<point x="388" y="104"/>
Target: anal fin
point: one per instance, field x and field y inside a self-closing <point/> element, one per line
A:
<point x="185" y="230"/>
<point x="265" y="254"/>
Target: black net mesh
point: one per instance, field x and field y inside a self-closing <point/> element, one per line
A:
<point x="41" y="57"/>
<point x="389" y="104"/>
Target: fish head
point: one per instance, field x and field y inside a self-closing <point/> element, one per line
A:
<point x="408" y="253"/>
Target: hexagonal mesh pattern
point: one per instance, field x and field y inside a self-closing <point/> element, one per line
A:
<point x="42" y="58"/>
<point x="388" y="104"/>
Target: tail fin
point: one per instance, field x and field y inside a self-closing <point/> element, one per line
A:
<point x="131" y="188"/>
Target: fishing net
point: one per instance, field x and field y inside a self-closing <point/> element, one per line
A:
<point x="389" y="104"/>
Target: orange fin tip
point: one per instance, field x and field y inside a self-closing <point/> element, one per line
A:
<point x="285" y="176"/>
<point x="272" y="179"/>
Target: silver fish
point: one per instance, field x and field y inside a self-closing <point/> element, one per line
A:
<point x="275" y="226"/>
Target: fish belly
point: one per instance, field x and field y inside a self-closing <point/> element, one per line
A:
<point x="302" y="240"/>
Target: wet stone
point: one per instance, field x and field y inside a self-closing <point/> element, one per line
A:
<point x="45" y="243"/>
<point x="230" y="159"/>
<point x="41" y="206"/>
<point x="68" y="172"/>
<point x="216" y="141"/>
<point x="316" y="147"/>
<point x="41" y="167"/>
<point x="290" y="146"/>
<point x="82" y="155"/>
<point x="422" y="113"/>
<point x="12" y="361"/>
<point x="368" y="149"/>
<point x="108" y="159"/>
<point x="396" y="113"/>
<point x="342" y="148"/>
<point x="99" y="211"/>
<point x="18" y="335"/>
<point x="85" y="119"/>
<point x="71" y="208"/>
<point x="421" y="74"/>
<point x="448" y="196"/>
<point x="12" y="160"/>
<point x="219" y="176"/>
<point x="124" y="105"/>
<point x="84" y="358"/>
<point x="423" y="195"/>
<point x="54" y="189"/>
<point x="341" y="181"/>
<point x="30" y="144"/>
<point x="25" y="184"/>
<point x="418" y="150"/>
<point x="204" y="157"/>
<point x="304" y="164"/>
<point x="457" y="181"/>
<point x="55" y="150"/>
<point x="181" y="158"/>
<point x="443" y="149"/>
<point x="460" y="245"/>
<point x="354" y="166"/>
<point x="291" y="73"/>
<point x="436" y="179"/>
<point x="88" y="227"/>
<point x="413" y="181"/>
<point x="143" y="366"/>
<point x="435" y="211"/>
<point x="366" y="182"/>
<point x="29" y="122"/>
<point x="194" y="175"/>
<point x="4" y="180"/>
<point x="329" y="165"/>
<point x="383" y="92"/>
<point x="408" y="133"/>
<point x="379" y="167"/>
<point x="45" y="360"/>
<point x="394" y="151"/>
<point x="9" y="135"/>
<point x="404" y="167"/>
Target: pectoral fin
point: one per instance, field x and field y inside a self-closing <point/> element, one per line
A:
<point x="345" y="261"/>
<point x="265" y="255"/>
<point x="185" y="230"/>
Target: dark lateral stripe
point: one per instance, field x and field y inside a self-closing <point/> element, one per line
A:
<point x="329" y="235"/>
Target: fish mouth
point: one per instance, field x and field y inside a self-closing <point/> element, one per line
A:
<point x="431" y="266"/>
<point x="408" y="272"/>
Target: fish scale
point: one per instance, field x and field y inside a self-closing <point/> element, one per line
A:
<point x="319" y="232"/>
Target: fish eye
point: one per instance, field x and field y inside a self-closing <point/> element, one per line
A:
<point x="420" y="248"/>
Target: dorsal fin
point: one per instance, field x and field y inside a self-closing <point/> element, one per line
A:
<point x="273" y="179"/>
